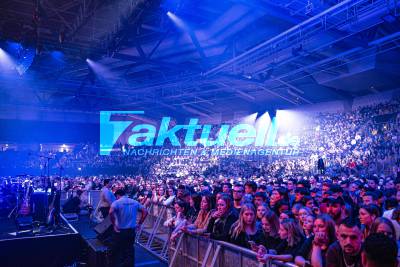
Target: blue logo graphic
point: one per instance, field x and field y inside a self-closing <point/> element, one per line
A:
<point x="119" y="127"/>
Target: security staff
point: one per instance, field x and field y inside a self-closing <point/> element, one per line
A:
<point x="123" y="213"/>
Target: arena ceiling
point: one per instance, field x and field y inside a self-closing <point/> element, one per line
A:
<point x="196" y="56"/>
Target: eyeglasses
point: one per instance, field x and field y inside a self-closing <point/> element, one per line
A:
<point x="237" y="191"/>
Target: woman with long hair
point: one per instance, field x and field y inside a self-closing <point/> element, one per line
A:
<point x="222" y="218"/>
<point x="200" y="224"/>
<point x="177" y="222"/>
<point x="314" y="248"/>
<point x="245" y="230"/>
<point x="169" y="196"/>
<point x="262" y="209"/>
<point x="303" y="213"/>
<point x="384" y="226"/>
<point x="308" y="226"/>
<point x="292" y="239"/>
<point x="367" y="215"/>
<point x="270" y="230"/>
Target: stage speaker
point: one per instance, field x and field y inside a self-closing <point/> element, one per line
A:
<point x="104" y="229"/>
<point x="98" y="254"/>
<point x="40" y="206"/>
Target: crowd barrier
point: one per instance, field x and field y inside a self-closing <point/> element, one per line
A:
<point x="192" y="250"/>
<point x="197" y="251"/>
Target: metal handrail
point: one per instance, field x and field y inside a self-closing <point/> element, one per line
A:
<point x="214" y="249"/>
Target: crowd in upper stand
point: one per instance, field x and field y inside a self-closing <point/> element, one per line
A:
<point x="361" y="141"/>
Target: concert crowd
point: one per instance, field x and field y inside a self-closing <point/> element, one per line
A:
<point x="337" y="204"/>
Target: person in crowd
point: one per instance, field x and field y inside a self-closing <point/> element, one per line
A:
<point x="170" y="197"/>
<point x="384" y="226"/>
<point x="300" y="193"/>
<point x="200" y="224"/>
<point x="282" y="206"/>
<point x="292" y="239"/>
<point x="286" y="215"/>
<point x="227" y="188"/>
<point x="302" y="215"/>
<point x="367" y="215"/>
<point x="106" y="198"/>
<point x="270" y="231"/>
<point x="244" y="230"/>
<point x="379" y="250"/>
<point x="295" y="210"/>
<point x="259" y="199"/>
<point x="276" y="196"/>
<point x="250" y="188"/>
<point x="261" y="211"/>
<point x="193" y="199"/>
<point x="335" y="207"/>
<point x="179" y="219"/>
<point x="237" y="193"/>
<point x="308" y="226"/>
<point x="370" y="197"/>
<point x="346" y="251"/>
<point x="314" y="248"/>
<point x="222" y="219"/>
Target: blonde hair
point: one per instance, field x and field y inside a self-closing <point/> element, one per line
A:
<point x="295" y="234"/>
<point x="239" y="225"/>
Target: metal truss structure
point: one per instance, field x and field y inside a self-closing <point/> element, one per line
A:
<point x="234" y="54"/>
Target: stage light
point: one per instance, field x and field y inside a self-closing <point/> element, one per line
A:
<point x="99" y="69"/>
<point x="6" y="62"/>
<point x="178" y="21"/>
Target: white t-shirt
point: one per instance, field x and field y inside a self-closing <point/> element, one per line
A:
<point x="106" y="197"/>
<point x="125" y="210"/>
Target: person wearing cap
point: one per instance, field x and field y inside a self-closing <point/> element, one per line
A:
<point x="336" y="208"/>
<point x="123" y="213"/>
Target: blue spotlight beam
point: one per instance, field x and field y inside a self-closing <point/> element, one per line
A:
<point x="182" y="25"/>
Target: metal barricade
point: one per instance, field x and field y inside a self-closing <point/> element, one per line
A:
<point x="196" y="251"/>
<point x="93" y="197"/>
<point x="154" y="236"/>
<point x="192" y="250"/>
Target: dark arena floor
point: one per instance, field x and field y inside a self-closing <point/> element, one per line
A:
<point x="69" y="244"/>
